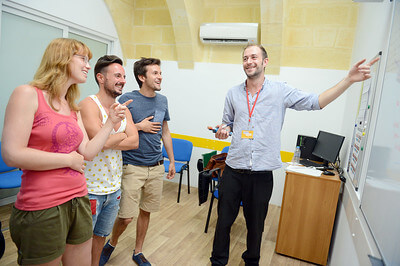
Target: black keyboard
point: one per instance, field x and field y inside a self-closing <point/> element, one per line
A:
<point x="306" y="162"/>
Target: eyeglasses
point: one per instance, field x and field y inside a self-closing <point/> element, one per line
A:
<point x="84" y="58"/>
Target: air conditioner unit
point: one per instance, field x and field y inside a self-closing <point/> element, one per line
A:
<point x="229" y="33"/>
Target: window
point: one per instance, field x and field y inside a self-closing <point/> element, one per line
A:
<point x="23" y="38"/>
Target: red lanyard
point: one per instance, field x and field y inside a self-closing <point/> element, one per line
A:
<point x="248" y="102"/>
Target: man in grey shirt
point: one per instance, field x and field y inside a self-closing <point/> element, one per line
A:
<point x="256" y="110"/>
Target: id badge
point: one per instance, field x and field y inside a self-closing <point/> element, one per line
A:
<point x="247" y="134"/>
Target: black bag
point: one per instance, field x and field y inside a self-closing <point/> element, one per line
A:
<point x="200" y="165"/>
<point x="204" y="186"/>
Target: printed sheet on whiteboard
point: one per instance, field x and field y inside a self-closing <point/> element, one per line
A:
<point x="361" y="125"/>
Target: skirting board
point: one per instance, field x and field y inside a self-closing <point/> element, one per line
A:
<point x="8" y="200"/>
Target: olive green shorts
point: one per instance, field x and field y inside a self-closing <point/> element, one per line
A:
<point x="41" y="236"/>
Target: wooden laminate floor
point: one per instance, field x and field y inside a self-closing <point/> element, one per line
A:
<point x="176" y="235"/>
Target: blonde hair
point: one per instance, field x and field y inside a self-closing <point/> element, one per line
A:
<point x="53" y="71"/>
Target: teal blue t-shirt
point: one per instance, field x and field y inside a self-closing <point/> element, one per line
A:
<point x="149" y="151"/>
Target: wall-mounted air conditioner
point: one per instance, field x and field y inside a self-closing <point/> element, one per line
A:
<point x="229" y="33"/>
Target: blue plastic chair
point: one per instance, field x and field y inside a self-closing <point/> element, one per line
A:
<point x="10" y="177"/>
<point x="182" y="154"/>
<point x="214" y="190"/>
<point x="214" y="195"/>
<point x="215" y="179"/>
<point x="225" y="149"/>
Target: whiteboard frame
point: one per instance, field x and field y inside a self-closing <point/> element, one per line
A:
<point x="375" y="114"/>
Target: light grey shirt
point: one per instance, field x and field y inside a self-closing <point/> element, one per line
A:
<point x="262" y="153"/>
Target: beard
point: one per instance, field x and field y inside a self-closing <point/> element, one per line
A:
<point x="111" y="91"/>
<point x="258" y="71"/>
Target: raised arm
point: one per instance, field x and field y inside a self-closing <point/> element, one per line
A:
<point x="89" y="149"/>
<point x="357" y="73"/>
<point x="18" y="121"/>
<point x="132" y="137"/>
<point x="167" y="142"/>
<point x="92" y="121"/>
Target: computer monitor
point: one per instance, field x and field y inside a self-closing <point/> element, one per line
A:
<point x="327" y="146"/>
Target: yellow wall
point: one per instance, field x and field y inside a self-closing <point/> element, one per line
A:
<point x="144" y="28"/>
<point x="296" y="33"/>
<point x="319" y="33"/>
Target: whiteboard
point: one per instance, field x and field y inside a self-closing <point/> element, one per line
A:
<point x="380" y="202"/>
<point x="361" y="125"/>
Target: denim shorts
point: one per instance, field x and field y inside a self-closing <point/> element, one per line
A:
<point x="104" y="211"/>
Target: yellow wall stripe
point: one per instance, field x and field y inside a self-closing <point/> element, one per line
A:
<point x="203" y="142"/>
<point x="219" y="145"/>
<point x="286" y="156"/>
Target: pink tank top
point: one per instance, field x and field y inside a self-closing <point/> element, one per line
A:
<point x="52" y="132"/>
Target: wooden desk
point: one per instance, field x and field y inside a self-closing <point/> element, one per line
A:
<point x="307" y="216"/>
